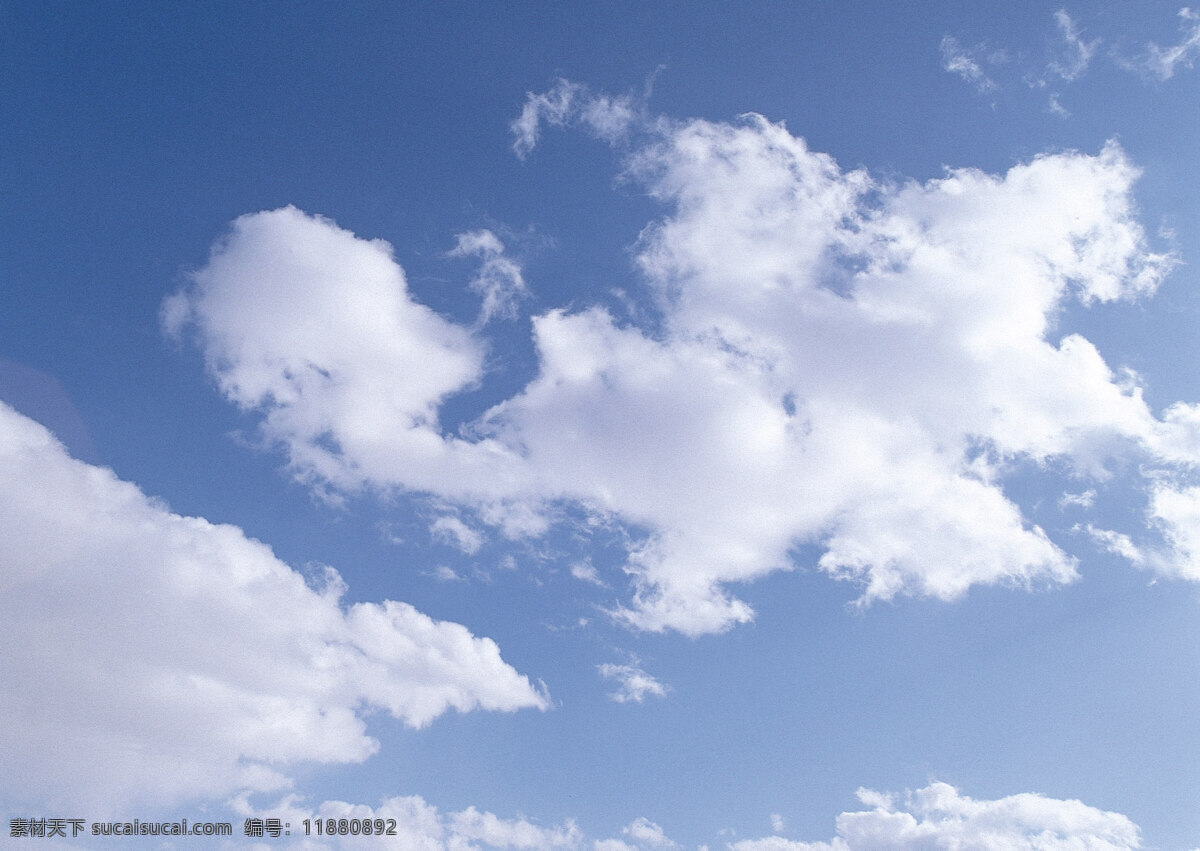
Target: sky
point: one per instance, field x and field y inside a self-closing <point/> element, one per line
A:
<point x="601" y="426"/>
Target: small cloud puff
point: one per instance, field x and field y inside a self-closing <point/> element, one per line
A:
<point x="633" y="684"/>
<point x="1086" y="499"/>
<point x="586" y="572"/>
<point x="499" y="280"/>
<point x="607" y="118"/>
<point x="645" y="834"/>
<point x="455" y="532"/>
<point x="444" y="573"/>
<point x="965" y="63"/>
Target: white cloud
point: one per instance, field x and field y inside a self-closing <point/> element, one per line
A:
<point x="1055" y="107"/>
<point x="938" y="816"/>
<point x="899" y="341"/>
<point x="314" y="328"/>
<point x="586" y="572"/>
<point x="161" y="658"/>
<point x="1071" y="57"/>
<point x="840" y="362"/>
<point x="444" y="573"/>
<point x="1163" y="62"/>
<point x="1086" y="499"/>
<point x="1078" y="53"/>
<point x="474" y="826"/>
<point x="454" y="531"/>
<point x="553" y="107"/>
<point x="499" y="280"/>
<point x="633" y="684"/>
<point x="645" y="834"/>
<point x="1174" y="514"/>
<point x="965" y="63"/>
<point x="567" y="102"/>
<point x="1117" y="543"/>
<point x="777" y="823"/>
<point x="1176" y="511"/>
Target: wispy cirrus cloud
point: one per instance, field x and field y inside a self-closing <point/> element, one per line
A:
<point x="586" y="572"/>
<point x="1164" y="62"/>
<point x="1077" y="52"/>
<point x="567" y="103"/>
<point x="1069" y="59"/>
<point x="967" y="63"/>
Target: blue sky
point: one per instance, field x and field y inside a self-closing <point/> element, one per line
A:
<point x="621" y="426"/>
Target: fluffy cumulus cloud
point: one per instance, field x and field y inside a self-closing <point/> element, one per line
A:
<point x="314" y="327"/>
<point x="152" y="658"/>
<point x="939" y="817"/>
<point x="836" y="361"/>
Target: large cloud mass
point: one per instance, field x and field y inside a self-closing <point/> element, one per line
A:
<point x="835" y="361"/>
<point x="151" y="658"/>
